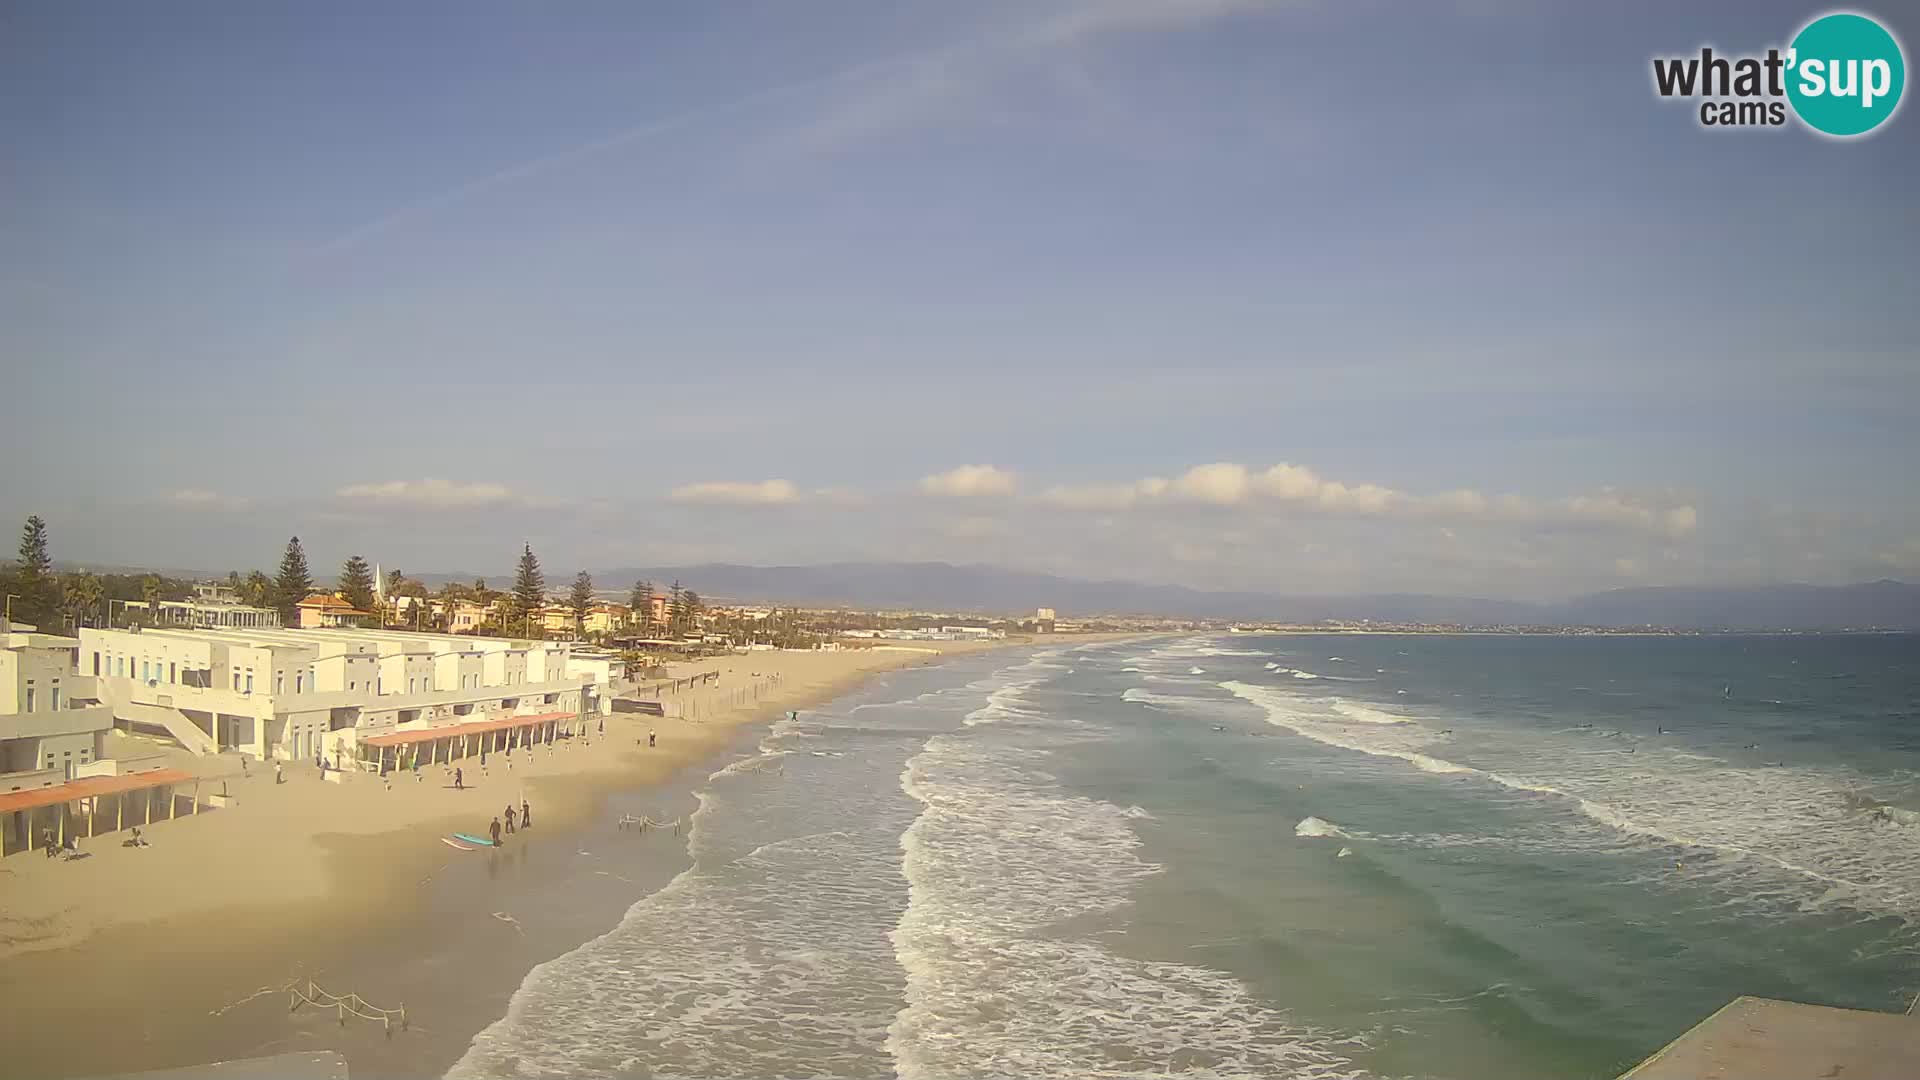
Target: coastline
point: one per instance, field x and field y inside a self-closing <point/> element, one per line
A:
<point x="181" y="953"/>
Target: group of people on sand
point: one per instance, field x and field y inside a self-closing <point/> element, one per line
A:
<point x="525" y="821"/>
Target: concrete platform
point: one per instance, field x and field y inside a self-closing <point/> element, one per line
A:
<point x="1762" y="1039"/>
<point x="306" y="1065"/>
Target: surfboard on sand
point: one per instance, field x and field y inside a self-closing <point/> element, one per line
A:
<point x="457" y="845"/>
<point x="471" y="839"/>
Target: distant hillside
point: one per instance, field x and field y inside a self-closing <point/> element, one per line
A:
<point x="1886" y="604"/>
<point x="945" y="587"/>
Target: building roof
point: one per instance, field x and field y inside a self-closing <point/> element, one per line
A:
<point x="477" y="727"/>
<point x="330" y="605"/>
<point x="90" y="786"/>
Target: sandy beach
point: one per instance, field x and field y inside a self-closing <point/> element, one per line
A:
<point x="182" y="952"/>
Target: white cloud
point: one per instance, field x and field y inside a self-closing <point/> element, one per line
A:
<point x="974" y="528"/>
<point x="1103" y="496"/>
<point x="765" y="492"/>
<point x="1225" y="483"/>
<point x="206" y="500"/>
<point x="1221" y="483"/>
<point x="968" y="482"/>
<point x="430" y="493"/>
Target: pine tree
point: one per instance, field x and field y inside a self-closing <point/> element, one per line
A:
<point x="529" y="588"/>
<point x="643" y="604"/>
<point x="294" y="583"/>
<point x="37" y="593"/>
<point x="676" y="608"/>
<point x="356" y="583"/>
<point x="691" y="602"/>
<point x="580" y="599"/>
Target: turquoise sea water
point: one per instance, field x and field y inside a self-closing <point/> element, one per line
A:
<point x="1240" y="855"/>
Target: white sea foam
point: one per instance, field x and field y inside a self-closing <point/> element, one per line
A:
<point x="1365" y="714"/>
<point x="1781" y="835"/>
<point x="1313" y="826"/>
<point x="1196" y="671"/>
<point x="1137" y="812"/>
<point x="997" y="857"/>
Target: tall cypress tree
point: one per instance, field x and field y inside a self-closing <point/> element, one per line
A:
<point x="529" y="588"/>
<point x="643" y="604"/>
<point x="293" y="584"/>
<point x="38" y="595"/>
<point x="580" y="599"/>
<point x="676" y="607"/>
<point x="356" y="583"/>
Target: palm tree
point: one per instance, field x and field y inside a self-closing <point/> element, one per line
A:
<point x="81" y="594"/>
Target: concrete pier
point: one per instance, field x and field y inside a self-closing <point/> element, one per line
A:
<point x="1762" y="1039"/>
<point x="303" y="1065"/>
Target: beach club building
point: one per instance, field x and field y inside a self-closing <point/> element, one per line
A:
<point x="295" y="695"/>
<point x="56" y="780"/>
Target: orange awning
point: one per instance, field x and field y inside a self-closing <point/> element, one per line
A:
<point x="89" y="787"/>
<point x="453" y="731"/>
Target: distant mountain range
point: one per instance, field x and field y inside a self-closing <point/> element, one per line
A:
<point x="945" y="587"/>
<point x="1887" y="605"/>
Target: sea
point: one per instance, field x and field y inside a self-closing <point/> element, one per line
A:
<point x="1242" y="855"/>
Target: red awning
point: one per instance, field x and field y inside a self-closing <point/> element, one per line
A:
<point x="454" y="731"/>
<point x="90" y="786"/>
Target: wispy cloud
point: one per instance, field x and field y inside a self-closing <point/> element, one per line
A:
<point x="969" y="482"/>
<point x="429" y="493"/>
<point x="761" y="493"/>
<point x="573" y="155"/>
<point x="887" y="93"/>
<point x="207" y="500"/>
<point x="1230" y="484"/>
<point x="916" y="89"/>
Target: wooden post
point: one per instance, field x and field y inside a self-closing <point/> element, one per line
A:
<point x="120" y="817"/>
<point x="63" y="824"/>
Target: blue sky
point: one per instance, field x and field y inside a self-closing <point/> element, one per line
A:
<point x="663" y="283"/>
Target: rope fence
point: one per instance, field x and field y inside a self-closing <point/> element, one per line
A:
<point x="628" y="821"/>
<point x="344" y="1005"/>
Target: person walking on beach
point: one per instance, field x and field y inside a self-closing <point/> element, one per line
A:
<point x="526" y="815"/>
<point x="495" y="830"/>
<point x="279" y="775"/>
<point x="459" y="780"/>
<point x="651" y="736"/>
<point x="509" y="818"/>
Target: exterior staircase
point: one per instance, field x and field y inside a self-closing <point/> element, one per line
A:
<point x="176" y="723"/>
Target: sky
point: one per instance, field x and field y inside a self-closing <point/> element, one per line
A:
<point x="1299" y="296"/>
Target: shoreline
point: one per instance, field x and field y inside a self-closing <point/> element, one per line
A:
<point x="364" y="911"/>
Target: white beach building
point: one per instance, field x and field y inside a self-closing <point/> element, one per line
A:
<point x="295" y="695"/>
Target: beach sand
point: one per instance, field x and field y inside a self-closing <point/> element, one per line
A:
<point x="182" y="952"/>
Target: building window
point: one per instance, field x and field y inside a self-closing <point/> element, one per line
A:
<point x="299" y="680"/>
<point x="249" y="682"/>
<point x="236" y="680"/>
<point x="96" y="663"/>
<point x="173" y="672"/>
<point x="30" y="694"/>
<point x="55" y="699"/>
<point x="279" y="682"/>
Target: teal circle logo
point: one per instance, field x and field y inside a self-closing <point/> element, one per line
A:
<point x="1845" y="73"/>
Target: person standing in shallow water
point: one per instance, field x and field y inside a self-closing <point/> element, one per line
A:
<point x="526" y="815"/>
<point x="495" y="830"/>
<point x="509" y="817"/>
<point x="459" y="780"/>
